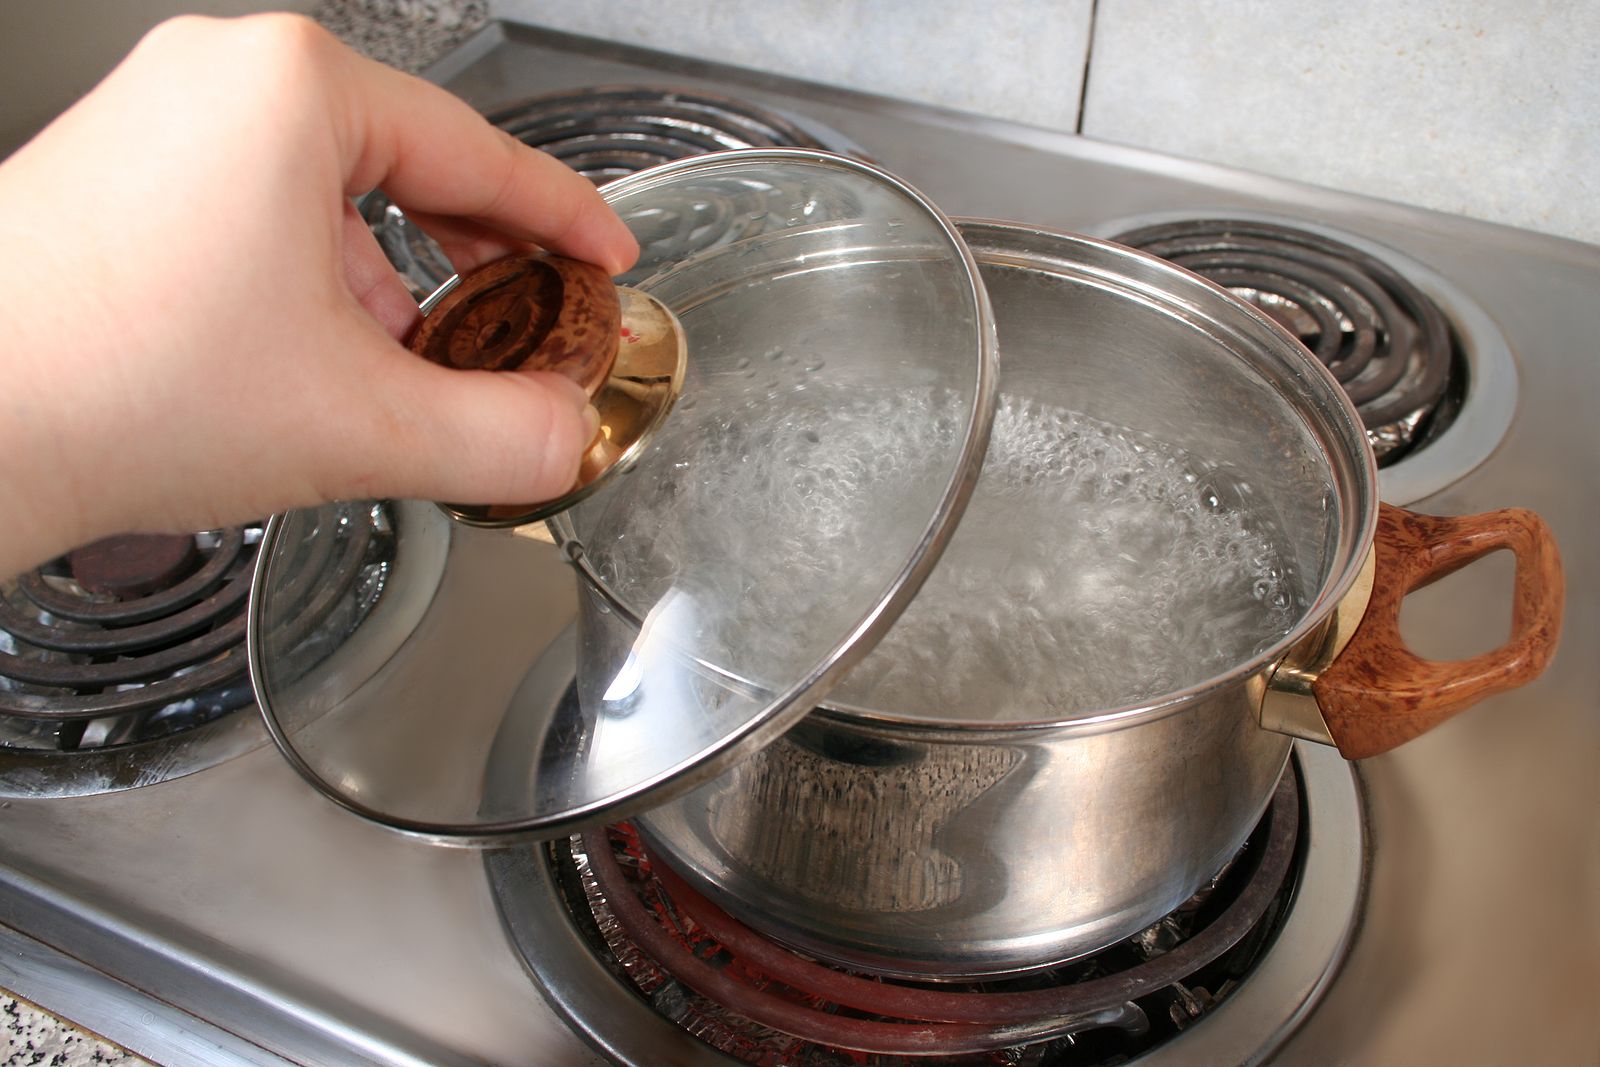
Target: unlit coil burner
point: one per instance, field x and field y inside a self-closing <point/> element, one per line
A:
<point x="610" y="131"/>
<point x="760" y="1003"/>
<point x="126" y="639"/>
<point x="1388" y="343"/>
<point x="607" y="132"/>
<point x="137" y="643"/>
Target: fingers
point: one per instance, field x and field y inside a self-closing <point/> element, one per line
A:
<point x="467" y="244"/>
<point x="423" y="431"/>
<point x="433" y="154"/>
<point x="371" y="278"/>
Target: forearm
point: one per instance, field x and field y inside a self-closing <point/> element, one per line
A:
<point x="40" y="496"/>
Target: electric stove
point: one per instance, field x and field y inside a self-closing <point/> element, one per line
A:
<point x="168" y="881"/>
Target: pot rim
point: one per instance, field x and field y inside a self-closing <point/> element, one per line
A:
<point x="1351" y="554"/>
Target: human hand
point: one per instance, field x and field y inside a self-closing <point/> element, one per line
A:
<point x="202" y="330"/>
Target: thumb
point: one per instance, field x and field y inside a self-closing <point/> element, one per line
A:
<point x="480" y="437"/>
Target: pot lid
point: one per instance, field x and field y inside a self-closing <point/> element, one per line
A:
<point x="471" y="684"/>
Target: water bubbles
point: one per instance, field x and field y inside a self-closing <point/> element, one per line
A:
<point x="1114" y="574"/>
<point x="1095" y="566"/>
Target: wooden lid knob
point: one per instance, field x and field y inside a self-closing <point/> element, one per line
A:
<point x="535" y="311"/>
<point x="544" y="312"/>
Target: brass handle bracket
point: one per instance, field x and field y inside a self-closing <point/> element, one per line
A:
<point x="1289" y="704"/>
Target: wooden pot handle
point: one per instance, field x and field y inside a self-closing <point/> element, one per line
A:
<point x="1379" y="694"/>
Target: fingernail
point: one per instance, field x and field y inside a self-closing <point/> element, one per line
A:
<point x="627" y="247"/>
<point x="591" y="422"/>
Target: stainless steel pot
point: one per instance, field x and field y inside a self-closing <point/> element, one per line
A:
<point x="907" y="845"/>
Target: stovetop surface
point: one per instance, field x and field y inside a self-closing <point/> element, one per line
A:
<point x="236" y="889"/>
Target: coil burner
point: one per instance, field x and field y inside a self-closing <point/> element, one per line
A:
<point x="758" y="1002"/>
<point x="1388" y="344"/>
<point x="606" y="133"/>
<point x="123" y="662"/>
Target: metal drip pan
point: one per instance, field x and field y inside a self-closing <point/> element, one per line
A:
<point x="1255" y="1018"/>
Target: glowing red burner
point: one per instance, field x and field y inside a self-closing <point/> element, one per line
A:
<point x="860" y="1017"/>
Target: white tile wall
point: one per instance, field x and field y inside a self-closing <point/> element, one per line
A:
<point x="1004" y="57"/>
<point x="1489" y="108"/>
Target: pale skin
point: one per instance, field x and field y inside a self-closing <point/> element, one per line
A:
<point x="201" y="331"/>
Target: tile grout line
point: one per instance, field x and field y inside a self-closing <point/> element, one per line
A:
<point x="1088" y="56"/>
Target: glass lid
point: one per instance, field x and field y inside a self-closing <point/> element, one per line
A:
<point x="471" y="684"/>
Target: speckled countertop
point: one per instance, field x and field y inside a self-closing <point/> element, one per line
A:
<point x="409" y="34"/>
<point x="35" y="1038"/>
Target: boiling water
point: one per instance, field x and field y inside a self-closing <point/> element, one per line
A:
<point x="1095" y="567"/>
